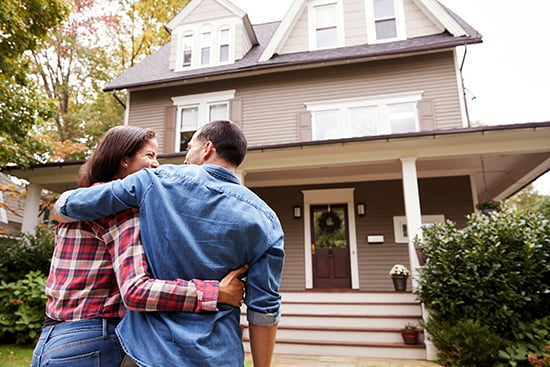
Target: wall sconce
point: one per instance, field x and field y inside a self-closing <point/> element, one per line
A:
<point x="297" y="212"/>
<point x="360" y="208"/>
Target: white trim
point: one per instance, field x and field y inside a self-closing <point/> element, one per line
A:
<point x="3" y="212"/>
<point x="401" y="220"/>
<point x="437" y="12"/>
<point x="405" y="97"/>
<point x="314" y="197"/>
<point x="193" y="4"/>
<point x="283" y="30"/>
<point x="202" y="101"/>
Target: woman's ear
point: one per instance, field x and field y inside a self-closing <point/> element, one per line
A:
<point x="124" y="163"/>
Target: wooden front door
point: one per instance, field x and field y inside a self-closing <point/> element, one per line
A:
<point x="329" y="249"/>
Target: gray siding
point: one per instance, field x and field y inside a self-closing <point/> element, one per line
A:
<point x="450" y="196"/>
<point x="272" y="104"/>
<point x="208" y="10"/>
<point x="417" y="23"/>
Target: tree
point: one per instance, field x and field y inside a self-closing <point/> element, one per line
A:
<point x="23" y="25"/>
<point x="529" y="200"/>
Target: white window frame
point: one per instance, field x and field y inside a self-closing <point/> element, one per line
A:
<point x="399" y="22"/>
<point x="381" y="102"/>
<point x="312" y="34"/>
<point x="400" y="225"/>
<point x="197" y="30"/>
<point x="203" y="101"/>
<point x="182" y="49"/>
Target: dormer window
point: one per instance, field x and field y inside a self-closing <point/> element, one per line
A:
<point x="205" y="45"/>
<point x="325" y="24"/>
<point x="187" y="49"/>
<point x="224" y="44"/>
<point x="385" y="20"/>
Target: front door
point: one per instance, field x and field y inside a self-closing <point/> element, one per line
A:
<point x="329" y="246"/>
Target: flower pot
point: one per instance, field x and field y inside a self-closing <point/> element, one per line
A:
<point x="399" y="283"/>
<point x="410" y="336"/>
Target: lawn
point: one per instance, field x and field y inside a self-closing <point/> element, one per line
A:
<point x="20" y="356"/>
<point x="15" y="355"/>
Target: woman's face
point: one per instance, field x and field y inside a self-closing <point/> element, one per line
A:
<point x="146" y="157"/>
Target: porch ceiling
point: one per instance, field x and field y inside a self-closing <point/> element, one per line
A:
<point x="500" y="161"/>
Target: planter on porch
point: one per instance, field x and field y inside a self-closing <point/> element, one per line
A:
<point x="399" y="283"/>
<point x="410" y="336"/>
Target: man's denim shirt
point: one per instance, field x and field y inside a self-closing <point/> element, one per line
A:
<point x="196" y="222"/>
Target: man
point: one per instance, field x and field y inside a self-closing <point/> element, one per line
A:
<point x="208" y="224"/>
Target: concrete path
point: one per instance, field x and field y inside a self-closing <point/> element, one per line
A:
<point x="284" y="360"/>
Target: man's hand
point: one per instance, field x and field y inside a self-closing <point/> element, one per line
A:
<point x="231" y="288"/>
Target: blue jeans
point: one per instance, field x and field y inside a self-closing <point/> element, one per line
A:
<point x="84" y="343"/>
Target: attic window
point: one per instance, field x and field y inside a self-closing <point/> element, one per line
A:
<point x="204" y="45"/>
<point x="325" y="24"/>
<point x="385" y="19"/>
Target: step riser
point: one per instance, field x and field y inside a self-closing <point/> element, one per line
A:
<point x="350" y="309"/>
<point x="365" y="352"/>
<point x="338" y="336"/>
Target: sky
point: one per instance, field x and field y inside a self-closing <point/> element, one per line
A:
<point x="507" y="77"/>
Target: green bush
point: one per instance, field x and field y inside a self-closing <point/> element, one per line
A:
<point x="26" y="253"/>
<point x="529" y="339"/>
<point x="495" y="271"/>
<point x="22" y="308"/>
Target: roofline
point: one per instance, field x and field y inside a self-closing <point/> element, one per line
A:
<point x="434" y="133"/>
<point x="275" y="67"/>
<point x="389" y="137"/>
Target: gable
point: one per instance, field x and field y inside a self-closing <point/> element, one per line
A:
<point x="355" y="23"/>
<point x="206" y="11"/>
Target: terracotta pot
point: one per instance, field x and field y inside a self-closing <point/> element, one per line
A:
<point x="410" y="336"/>
<point x="399" y="283"/>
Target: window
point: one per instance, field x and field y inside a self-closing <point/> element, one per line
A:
<point x="187" y="49"/>
<point x="385" y="20"/>
<point x="391" y="114"/>
<point x="205" y="45"/>
<point x="198" y="109"/>
<point x="205" y="48"/>
<point x="400" y="226"/>
<point x="325" y="24"/>
<point x="224" y="45"/>
<point x="325" y="27"/>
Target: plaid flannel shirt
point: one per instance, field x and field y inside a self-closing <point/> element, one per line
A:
<point x="92" y="259"/>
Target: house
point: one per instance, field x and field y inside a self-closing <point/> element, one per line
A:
<point x="358" y="135"/>
<point x="12" y="206"/>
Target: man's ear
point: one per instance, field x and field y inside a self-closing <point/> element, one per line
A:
<point x="209" y="150"/>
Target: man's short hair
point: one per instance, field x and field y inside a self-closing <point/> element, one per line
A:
<point x="228" y="139"/>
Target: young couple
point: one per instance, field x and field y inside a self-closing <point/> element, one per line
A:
<point x="197" y="222"/>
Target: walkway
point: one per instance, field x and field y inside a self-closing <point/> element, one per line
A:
<point x="285" y="360"/>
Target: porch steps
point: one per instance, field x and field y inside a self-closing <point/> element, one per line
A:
<point x="358" y="324"/>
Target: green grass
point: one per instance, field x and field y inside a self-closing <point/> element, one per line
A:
<point x="15" y="355"/>
<point x="12" y="355"/>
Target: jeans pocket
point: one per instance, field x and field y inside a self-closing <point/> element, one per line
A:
<point x="83" y="360"/>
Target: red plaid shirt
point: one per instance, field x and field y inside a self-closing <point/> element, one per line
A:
<point x="92" y="259"/>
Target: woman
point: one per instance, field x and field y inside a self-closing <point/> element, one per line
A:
<point x="99" y="268"/>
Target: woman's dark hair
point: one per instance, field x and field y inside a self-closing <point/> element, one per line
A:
<point x="227" y="138"/>
<point x="118" y="143"/>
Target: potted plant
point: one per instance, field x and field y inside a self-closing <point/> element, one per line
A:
<point x="399" y="274"/>
<point x="488" y="206"/>
<point x="410" y="334"/>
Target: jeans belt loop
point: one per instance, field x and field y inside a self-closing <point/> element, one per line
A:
<point x="105" y="328"/>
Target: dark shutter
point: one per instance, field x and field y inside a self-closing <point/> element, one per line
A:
<point x="426" y="115"/>
<point x="169" y="129"/>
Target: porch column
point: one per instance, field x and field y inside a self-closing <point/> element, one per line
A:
<point x="241" y="175"/>
<point x="32" y="207"/>
<point x="412" y="212"/>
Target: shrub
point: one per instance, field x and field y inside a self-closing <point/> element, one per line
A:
<point x="26" y="253"/>
<point x="530" y="344"/>
<point x="495" y="271"/>
<point x="22" y="308"/>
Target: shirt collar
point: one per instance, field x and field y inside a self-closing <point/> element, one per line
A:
<point x="221" y="173"/>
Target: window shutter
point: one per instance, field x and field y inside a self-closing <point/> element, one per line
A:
<point x="304" y="126"/>
<point x="236" y="111"/>
<point x="169" y="129"/>
<point x="426" y="115"/>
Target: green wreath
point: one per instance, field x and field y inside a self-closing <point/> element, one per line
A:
<point x="329" y="222"/>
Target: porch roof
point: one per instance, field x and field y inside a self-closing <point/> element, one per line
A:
<point x="500" y="159"/>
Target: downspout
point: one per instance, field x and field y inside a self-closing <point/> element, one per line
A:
<point x="463" y="87"/>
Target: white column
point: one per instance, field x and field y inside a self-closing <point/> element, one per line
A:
<point x="32" y="207"/>
<point x="241" y="174"/>
<point x="412" y="212"/>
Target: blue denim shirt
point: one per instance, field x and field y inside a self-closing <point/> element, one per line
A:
<point x="196" y="222"/>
